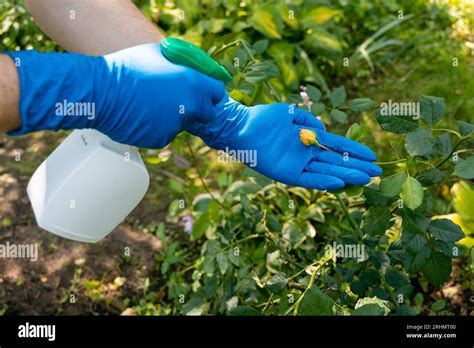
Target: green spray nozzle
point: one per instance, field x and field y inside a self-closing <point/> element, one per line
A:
<point x="184" y="53"/>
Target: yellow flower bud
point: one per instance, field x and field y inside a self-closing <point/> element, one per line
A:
<point x="308" y="137"/>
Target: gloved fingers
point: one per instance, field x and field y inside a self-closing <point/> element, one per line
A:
<point x="212" y="92"/>
<point x="334" y="158"/>
<point x="216" y="89"/>
<point x="319" y="181"/>
<point x="344" y="145"/>
<point x="348" y="175"/>
<point x="307" y="119"/>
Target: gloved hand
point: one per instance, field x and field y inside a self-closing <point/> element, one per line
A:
<point x="272" y="133"/>
<point x="138" y="97"/>
<point x="135" y="96"/>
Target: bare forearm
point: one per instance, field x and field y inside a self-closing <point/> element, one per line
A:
<point x="93" y="27"/>
<point x="9" y="95"/>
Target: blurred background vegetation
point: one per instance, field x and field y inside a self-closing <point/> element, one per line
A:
<point x="392" y="49"/>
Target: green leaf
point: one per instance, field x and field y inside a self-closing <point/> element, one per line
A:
<point x="438" y="268"/>
<point x="417" y="251"/>
<point x="406" y="310"/>
<point x="194" y="306"/>
<point x="317" y="108"/>
<point x="396" y="279"/>
<point x="412" y="193"/>
<point x="450" y="249"/>
<point x="319" y="15"/>
<point x="357" y="287"/>
<point x="313" y="93"/>
<point x="233" y="258"/>
<point x="419" y="299"/>
<point x="339" y="116"/>
<point x="444" y="144"/>
<point x="463" y="199"/>
<point x="415" y="261"/>
<point x="260" y="46"/>
<point x="397" y="124"/>
<point x="373" y="300"/>
<point x="370" y="309"/>
<point x="432" y="109"/>
<point x="353" y="190"/>
<point x="445" y="230"/>
<point x="316" y="302"/>
<point x="321" y="42"/>
<point x="223" y="262"/>
<point x="176" y="186"/>
<point x="415" y="242"/>
<point x="356" y="132"/>
<point x="242" y="57"/>
<point x="260" y="71"/>
<point x="338" y="96"/>
<point x="414" y="223"/>
<point x="374" y="198"/>
<point x="277" y="283"/>
<point x="376" y="221"/>
<point x="370" y="277"/>
<point x="200" y="226"/>
<point x="267" y="20"/>
<point x="392" y="185"/>
<point x="430" y="176"/>
<point x="244" y="200"/>
<point x="246" y="88"/>
<point x="465" y="168"/>
<point x="312" y="212"/>
<point x="361" y="104"/>
<point x="438" y="305"/>
<point x="419" y="142"/>
<point x="465" y="128"/>
<point x="244" y="310"/>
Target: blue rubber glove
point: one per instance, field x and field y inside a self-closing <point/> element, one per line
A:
<point x="135" y="96"/>
<point x="142" y="99"/>
<point x="271" y="132"/>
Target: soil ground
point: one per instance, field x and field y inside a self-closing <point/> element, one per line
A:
<point x="68" y="275"/>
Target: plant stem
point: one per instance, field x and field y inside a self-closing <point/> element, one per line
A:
<point x="310" y="284"/>
<point x="267" y="83"/>
<point x="223" y="48"/>
<point x="204" y="185"/>
<point x="393" y="162"/>
<point x="447" y="130"/>
<point x="194" y="265"/>
<point x="252" y="236"/>
<point x="304" y="269"/>
<point x="452" y="151"/>
<point x="267" y="304"/>
<point x="348" y="215"/>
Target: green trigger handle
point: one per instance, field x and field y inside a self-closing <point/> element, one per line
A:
<point x="185" y="53"/>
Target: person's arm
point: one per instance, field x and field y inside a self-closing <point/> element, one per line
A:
<point x="10" y="95"/>
<point x="94" y="27"/>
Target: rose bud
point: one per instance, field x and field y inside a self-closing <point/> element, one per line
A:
<point x="308" y="137"/>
